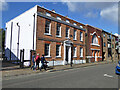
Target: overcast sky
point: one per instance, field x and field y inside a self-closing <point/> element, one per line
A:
<point x="103" y="15"/>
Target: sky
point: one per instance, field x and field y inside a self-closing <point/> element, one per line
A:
<point x="103" y="15"/>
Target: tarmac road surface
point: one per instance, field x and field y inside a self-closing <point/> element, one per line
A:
<point x="97" y="76"/>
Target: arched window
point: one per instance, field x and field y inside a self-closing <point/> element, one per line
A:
<point x="94" y="39"/>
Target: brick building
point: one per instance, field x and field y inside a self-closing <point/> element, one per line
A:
<point x="57" y="37"/>
<point x="93" y="44"/>
<point x="110" y="46"/>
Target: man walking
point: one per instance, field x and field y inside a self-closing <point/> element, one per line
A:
<point x="42" y="62"/>
<point x="33" y="61"/>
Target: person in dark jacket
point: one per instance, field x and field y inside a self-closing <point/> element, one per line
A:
<point x="33" y="61"/>
<point x="43" y="63"/>
<point x="37" y="60"/>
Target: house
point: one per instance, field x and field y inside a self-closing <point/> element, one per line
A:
<point x="93" y="44"/>
<point x="47" y="32"/>
<point x="110" y="46"/>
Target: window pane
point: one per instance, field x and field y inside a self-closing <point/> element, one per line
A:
<point x="47" y="26"/>
<point x="74" y="35"/>
<point x="67" y="32"/>
<point x="81" y="52"/>
<point x="57" y="50"/>
<point x="46" y="49"/>
<point x="58" y="30"/>
<point x="81" y="36"/>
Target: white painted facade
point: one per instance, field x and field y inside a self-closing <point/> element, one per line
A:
<point x="26" y="22"/>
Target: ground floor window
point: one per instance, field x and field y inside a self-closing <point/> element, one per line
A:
<point x="58" y="50"/>
<point x="74" y="52"/>
<point x="47" y="49"/>
<point x="81" y="52"/>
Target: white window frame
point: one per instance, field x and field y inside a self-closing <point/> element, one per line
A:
<point x="49" y="51"/>
<point x="68" y="32"/>
<point x="67" y="21"/>
<point x="59" y="51"/>
<point x="59" y="18"/>
<point x="59" y="32"/>
<point x="81" y="36"/>
<point x="48" y="14"/>
<point x="81" y="26"/>
<point x="75" y="32"/>
<point x="81" y="51"/>
<point x="75" y="24"/>
<point x="49" y="29"/>
<point x="75" y="52"/>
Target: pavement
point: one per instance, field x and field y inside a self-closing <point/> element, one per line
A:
<point x="95" y="76"/>
<point x="12" y="70"/>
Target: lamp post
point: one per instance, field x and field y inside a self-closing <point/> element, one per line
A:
<point x="18" y="41"/>
<point x="71" y="52"/>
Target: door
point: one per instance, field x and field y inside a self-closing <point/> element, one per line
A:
<point x="95" y="56"/>
<point x="67" y="54"/>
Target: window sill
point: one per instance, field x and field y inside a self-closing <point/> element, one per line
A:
<point x="67" y="37"/>
<point x="47" y="34"/>
<point x="81" y="56"/>
<point x="47" y="56"/>
<point x="58" y="36"/>
<point x="74" y="56"/>
<point x="58" y="56"/>
<point x="81" y="40"/>
<point x="75" y="39"/>
<point x="95" y="44"/>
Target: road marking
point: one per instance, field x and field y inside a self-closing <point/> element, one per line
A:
<point x="106" y="75"/>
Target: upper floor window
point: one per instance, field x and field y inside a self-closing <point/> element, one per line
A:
<point x="81" y="26"/>
<point x="47" y="27"/>
<point x="58" y="31"/>
<point x="67" y="32"/>
<point x="48" y="14"/>
<point x="58" y="18"/>
<point x="104" y="44"/>
<point x="74" y="24"/>
<point x="47" y="49"/>
<point x="74" y="51"/>
<point x="94" y="39"/>
<point x="58" y="50"/>
<point x="81" y="36"/>
<point x="103" y="34"/>
<point x="67" y="21"/>
<point x="75" y="35"/>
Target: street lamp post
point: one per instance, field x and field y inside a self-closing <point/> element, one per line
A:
<point x="18" y="41"/>
<point x="71" y="54"/>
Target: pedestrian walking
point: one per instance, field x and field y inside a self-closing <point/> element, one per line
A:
<point x="43" y="63"/>
<point x="33" y="61"/>
<point x="37" y="60"/>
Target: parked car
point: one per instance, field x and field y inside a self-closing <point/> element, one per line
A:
<point x="117" y="69"/>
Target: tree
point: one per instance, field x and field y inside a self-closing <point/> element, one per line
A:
<point x="2" y="39"/>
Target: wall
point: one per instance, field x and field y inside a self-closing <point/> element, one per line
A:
<point x="26" y="21"/>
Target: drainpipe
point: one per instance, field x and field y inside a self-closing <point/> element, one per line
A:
<point x="11" y="39"/>
<point x="18" y="42"/>
<point x="33" y="29"/>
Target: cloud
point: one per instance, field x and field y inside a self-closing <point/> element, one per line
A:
<point x="91" y="15"/>
<point x="110" y="13"/>
<point x="106" y="10"/>
<point x="3" y="5"/>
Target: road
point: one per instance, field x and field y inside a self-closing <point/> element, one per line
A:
<point x="98" y="76"/>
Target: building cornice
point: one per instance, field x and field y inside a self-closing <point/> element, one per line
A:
<point x="60" y="21"/>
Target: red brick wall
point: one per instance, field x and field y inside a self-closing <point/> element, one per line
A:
<point x="40" y="43"/>
<point x="91" y="30"/>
